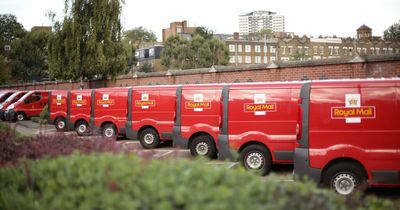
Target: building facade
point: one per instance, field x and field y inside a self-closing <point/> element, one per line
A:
<point x="246" y="49"/>
<point x="258" y="20"/>
<point x="150" y="56"/>
<point x="177" y="28"/>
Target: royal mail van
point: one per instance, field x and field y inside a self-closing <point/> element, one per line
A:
<point x="261" y="123"/>
<point x="109" y="111"/>
<point x="10" y="100"/>
<point x="80" y="106"/>
<point x="151" y="114"/>
<point x="350" y="134"/>
<point x="59" y="108"/>
<point x="29" y="105"/>
<point x="198" y="118"/>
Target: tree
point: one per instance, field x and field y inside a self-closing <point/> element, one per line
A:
<point x="135" y="38"/>
<point x="88" y="42"/>
<point x="29" y="56"/>
<point x="176" y="52"/>
<point x="204" y="32"/>
<point x="392" y="33"/>
<point x="261" y="34"/>
<point x="5" y="76"/>
<point x="10" y="29"/>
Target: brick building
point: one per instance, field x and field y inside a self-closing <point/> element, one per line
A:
<point x="285" y="46"/>
<point x="150" y="55"/>
<point x="177" y="28"/>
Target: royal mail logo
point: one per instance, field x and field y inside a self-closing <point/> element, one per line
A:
<point x="266" y="107"/>
<point x="198" y="105"/>
<point x="140" y="103"/>
<point x="358" y="112"/>
<point x="79" y="102"/>
<point x="353" y="112"/>
<point x="60" y="101"/>
<point x="105" y="102"/>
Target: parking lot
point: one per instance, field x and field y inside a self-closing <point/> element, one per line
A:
<point x="165" y="150"/>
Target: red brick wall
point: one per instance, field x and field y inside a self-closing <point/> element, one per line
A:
<point x="386" y="68"/>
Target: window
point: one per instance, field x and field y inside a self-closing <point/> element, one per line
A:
<point x="247" y="48"/>
<point x="372" y="51"/>
<point x="35" y="97"/>
<point x="344" y="50"/>
<point x="330" y="50"/>
<point x="358" y="49"/>
<point x="7" y="47"/>
<point x="265" y="59"/>
<point x="240" y="59"/>
<point x="305" y="50"/>
<point x="272" y="49"/>
<point x="289" y="50"/>
<point x="390" y="50"/>
<point x="151" y="52"/>
<point x="315" y="49"/>
<point x="178" y="30"/>
<point x="336" y="50"/>
<point x="283" y="50"/>
<point x="258" y="59"/>
<point x="231" y="48"/>
<point x="248" y="59"/>
<point x="141" y="54"/>
<point x="364" y="50"/>
<point x="232" y="59"/>
<point x="377" y="51"/>
<point x="321" y="50"/>
<point x="239" y="48"/>
<point x="273" y="58"/>
<point x="257" y="48"/>
<point x="350" y="50"/>
<point x="384" y="50"/>
<point x="265" y="49"/>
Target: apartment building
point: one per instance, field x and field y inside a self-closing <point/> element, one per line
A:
<point x="258" y="20"/>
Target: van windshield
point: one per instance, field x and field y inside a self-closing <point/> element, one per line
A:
<point x="14" y="97"/>
<point x="26" y="95"/>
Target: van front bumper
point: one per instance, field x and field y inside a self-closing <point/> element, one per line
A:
<point x="9" y="115"/>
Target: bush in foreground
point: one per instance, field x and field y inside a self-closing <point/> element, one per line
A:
<point x="106" y="181"/>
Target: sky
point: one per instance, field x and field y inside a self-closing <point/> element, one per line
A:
<point x="303" y="17"/>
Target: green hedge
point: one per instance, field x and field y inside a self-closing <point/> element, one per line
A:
<point x="126" y="182"/>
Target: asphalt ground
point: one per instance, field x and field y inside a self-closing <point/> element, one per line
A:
<point x="165" y="150"/>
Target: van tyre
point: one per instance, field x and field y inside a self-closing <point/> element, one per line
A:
<point x="60" y="124"/>
<point x="203" y="146"/>
<point x="149" y="138"/>
<point x="109" y="131"/>
<point x="256" y="158"/>
<point x="20" y="116"/>
<point x="345" y="178"/>
<point x="82" y="128"/>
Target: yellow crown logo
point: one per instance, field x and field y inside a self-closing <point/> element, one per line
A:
<point x="353" y="101"/>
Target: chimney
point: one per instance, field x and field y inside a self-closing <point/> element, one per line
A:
<point x="236" y="36"/>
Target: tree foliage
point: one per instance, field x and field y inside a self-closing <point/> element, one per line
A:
<point x="393" y="32"/>
<point x="10" y="29"/>
<point x="5" y="75"/>
<point x="88" y="42"/>
<point x="204" y="32"/>
<point x="201" y="51"/>
<point x="139" y="36"/>
<point x="29" y="56"/>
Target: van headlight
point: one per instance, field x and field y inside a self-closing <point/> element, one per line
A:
<point x="10" y="107"/>
<point x="1" y="106"/>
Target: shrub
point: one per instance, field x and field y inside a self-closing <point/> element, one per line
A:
<point x="106" y="181"/>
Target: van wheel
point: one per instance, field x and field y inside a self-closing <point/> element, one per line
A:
<point x="256" y="158"/>
<point x="203" y="145"/>
<point x="60" y="124"/>
<point x="345" y="178"/>
<point x="20" y="116"/>
<point x="82" y="128"/>
<point x="109" y="131"/>
<point x="149" y="138"/>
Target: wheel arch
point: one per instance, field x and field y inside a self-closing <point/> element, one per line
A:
<point x="144" y="127"/>
<point x="200" y="133"/>
<point x="342" y="160"/>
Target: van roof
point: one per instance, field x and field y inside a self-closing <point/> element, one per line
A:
<point x="356" y="82"/>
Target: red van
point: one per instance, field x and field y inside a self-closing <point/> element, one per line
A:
<point x="10" y="100"/>
<point x="78" y="115"/>
<point x="29" y="105"/>
<point x="350" y="134"/>
<point x="109" y="111"/>
<point x="58" y="108"/>
<point x="151" y="114"/>
<point x="198" y="118"/>
<point x="261" y="122"/>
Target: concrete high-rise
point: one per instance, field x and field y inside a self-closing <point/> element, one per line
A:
<point x="258" y="20"/>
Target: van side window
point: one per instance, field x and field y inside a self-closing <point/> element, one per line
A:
<point x="35" y="97"/>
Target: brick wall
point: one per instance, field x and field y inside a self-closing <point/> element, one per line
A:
<point x="373" y="66"/>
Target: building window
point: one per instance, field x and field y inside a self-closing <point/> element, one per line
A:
<point x="358" y="49"/>
<point x="350" y="50"/>
<point x="232" y="59"/>
<point x="289" y="50"/>
<point x="321" y="50"/>
<point x="265" y="49"/>
<point x="371" y="50"/>
<point x="231" y="48"/>
<point x="344" y="50"/>
<point x="315" y="49"/>
<point x="384" y="50"/>
<point x="248" y="59"/>
<point x="364" y="50"/>
<point x="390" y="50"/>
<point x="305" y="50"/>
<point x="257" y="48"/>
<point x="377" y="51"/>
<point x="273" y="58"/>
<point x="239" y="48"/>
<point x="151" y="52"/>
<point x="283" y="50"/>
<point x="272" y="49"/>
<point x="258" y="59"/>
<point x="240" y="59"/>
<point x="330" y="50"/>
<point x="265" y="59"/>
<point x="178" y="30"/>
<point x="247" y="48"/>
<point x="336" y="50"/>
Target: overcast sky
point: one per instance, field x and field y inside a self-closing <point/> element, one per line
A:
<point x="310" y="17"/>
